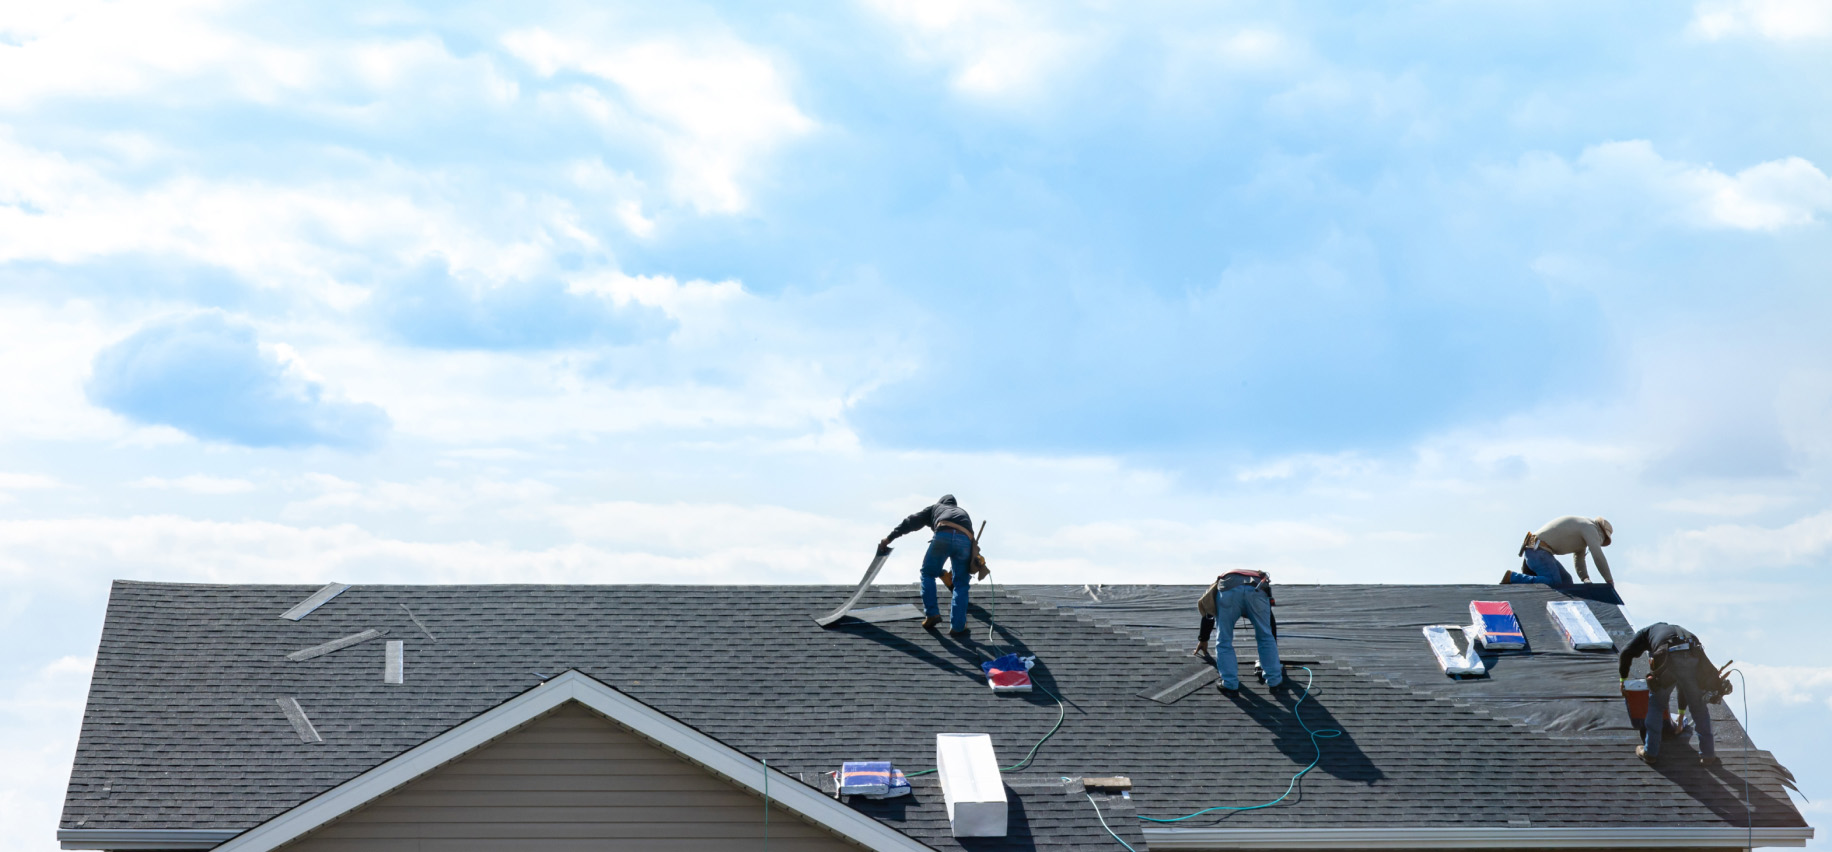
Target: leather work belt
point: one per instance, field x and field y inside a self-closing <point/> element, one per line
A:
<point x="944" y="525"/>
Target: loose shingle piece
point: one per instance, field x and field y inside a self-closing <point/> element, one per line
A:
<point x="393" y="660"/>
<point x="296" y="715"/>
<point x="334" y="645"/>
<point x="318" y="599"/>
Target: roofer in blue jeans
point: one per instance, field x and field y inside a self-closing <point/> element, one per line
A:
<point x="953" y="541"/>
<point x="1236" y="594"/>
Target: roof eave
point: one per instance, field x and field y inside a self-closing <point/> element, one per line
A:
<point x="128" y="839"/>
<point x="1654" y="837"/>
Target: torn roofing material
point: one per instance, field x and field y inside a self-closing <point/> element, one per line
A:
<point x="184" y="717"/>
<point x="318" y="599"/>
<point x="296" y="715"/>
<point x="334" y="645"/>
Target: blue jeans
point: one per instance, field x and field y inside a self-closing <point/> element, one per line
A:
<point x="1230" y="605"/>
<point x="1684" y="680"/>
<point x="1542" y="567"/>
<point x="946" y="545"/>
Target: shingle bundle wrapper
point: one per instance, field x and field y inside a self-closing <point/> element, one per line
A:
<point x="1010" y="673"/>
<point x="1580" y="626"/>
<point x="1494" y="625"/>
<point x="873" y="779"/>
<point x="1454" y="662"/>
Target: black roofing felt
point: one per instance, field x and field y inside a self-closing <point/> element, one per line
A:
<point x="182" y="729"/>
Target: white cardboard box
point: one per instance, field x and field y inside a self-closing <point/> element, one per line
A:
<point x="971" y="784"/>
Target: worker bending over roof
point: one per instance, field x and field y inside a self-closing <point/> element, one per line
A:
<point x="1676" y="661"/>
<point x="953" y="541"/>
<point x="1569" y="534"/>
<point x="1236" y="594"/>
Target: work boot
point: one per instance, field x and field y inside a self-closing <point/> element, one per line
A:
<point x="1224" y="690"/>
<point x="1507" y="578"/>
<point x="929" y="622"/>
<point x="1709" y="761"/>
<point x="1642" y="752"/>
<point x="960" y="634"/>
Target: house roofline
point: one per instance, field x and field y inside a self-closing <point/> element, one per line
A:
<point x="1652" y="837"/>
<point x="689" y="743"/>
<point x="143" y="838"/>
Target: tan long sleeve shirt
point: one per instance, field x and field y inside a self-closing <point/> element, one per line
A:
<point x="1577" y="536"/>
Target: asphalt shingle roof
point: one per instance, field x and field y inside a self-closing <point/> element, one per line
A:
<point x="182" y="729"/>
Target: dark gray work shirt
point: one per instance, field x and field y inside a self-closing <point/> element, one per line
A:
<point x="943" y="510"/>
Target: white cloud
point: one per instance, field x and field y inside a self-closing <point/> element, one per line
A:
<point x="1634" y="180"/>
<point x="39" y="717"/>
<point x="1729" y="505"/>
<point x="1780" y="20"/>
<point x="183" y="52"/>
<point x="46" y="352"/>
<point x="53" y="208"/>
<point x="27" y="482"/>
<point x="715" y="106"/>
<point x="998" y="50"/>
<point x="436" y="500"/>
<point x="195" y="483"/>
<point x="1745" y="546"/>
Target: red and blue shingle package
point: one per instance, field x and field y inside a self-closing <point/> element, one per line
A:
<point x="1010" y="673"/>
<point x="1496" y="626"/>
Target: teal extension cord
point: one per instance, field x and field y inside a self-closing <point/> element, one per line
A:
<point x="1315" y="735"/>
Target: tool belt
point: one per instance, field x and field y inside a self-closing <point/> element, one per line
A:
<point x="1255" y="579"/>
<point x="1664" y="659"/>
<point x="944" y="525"/>
<point x="977" y="562"/>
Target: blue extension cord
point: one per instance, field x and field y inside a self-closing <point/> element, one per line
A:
<point x="1324" y="734"/>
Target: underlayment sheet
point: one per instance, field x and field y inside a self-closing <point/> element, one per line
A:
<point x="1375" y="630"/>
<point x="871" y="573"/>
<point x="881" y="614"/>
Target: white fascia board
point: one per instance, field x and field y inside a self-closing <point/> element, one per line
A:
<point x="660" y="728"/>
<point x="141" y="838"/>
<point x="1470" y="838"/>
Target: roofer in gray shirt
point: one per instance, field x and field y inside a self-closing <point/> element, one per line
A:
<point x="1567" y="535"/>
<point x="1676" y="662"/>
<point x="953" y="541"/>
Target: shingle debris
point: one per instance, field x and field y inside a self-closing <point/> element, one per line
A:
<point x="318" y="599"/>
<point x="296" y="715"/>
<point x="416" y="623"/>
<point x="393" y="661"/>
<point x="334" y="645"/>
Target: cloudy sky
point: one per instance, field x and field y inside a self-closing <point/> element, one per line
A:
<point x="682" y="293"/>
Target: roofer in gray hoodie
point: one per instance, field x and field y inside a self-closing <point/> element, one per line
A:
<point x="953" y="541"/>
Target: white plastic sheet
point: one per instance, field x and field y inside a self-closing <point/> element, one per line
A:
<point x="1451" y="660"/>
<point x="1580" y="626"/>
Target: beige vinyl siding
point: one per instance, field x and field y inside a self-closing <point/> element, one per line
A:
<point x="570" y="780"/>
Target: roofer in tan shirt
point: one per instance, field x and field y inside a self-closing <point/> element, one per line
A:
<point x="1560" y="536"/>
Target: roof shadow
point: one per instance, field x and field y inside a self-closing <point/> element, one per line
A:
<point x="1720" y="788"/>
<point x="1339" y="756"/>
<point x="963" y="653"/>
